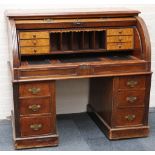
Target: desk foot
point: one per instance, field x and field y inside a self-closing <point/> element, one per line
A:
<point x="34" y="142"/>
<point x="117" y="133"/>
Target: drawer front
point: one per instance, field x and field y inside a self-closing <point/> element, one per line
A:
<point x="132" y="82"/>
<point x="33" y="35"/>
<point x="50" y="72"/>
<point x="120" y="39"/>
<point x="102" y="69"/>
<point x="130" y="98"/>
<point x="119" y="46"/>
<point x="33" y="126"/>
<point x="120" y="31"/>
<point x="35" y="50"/>
<point x="34" y="89"/>
<point x="35" y="106"/>
<point x="34" y="42"/>
<point x="128" y="117"/>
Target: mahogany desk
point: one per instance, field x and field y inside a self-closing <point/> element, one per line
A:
<point x="111" y="48"/>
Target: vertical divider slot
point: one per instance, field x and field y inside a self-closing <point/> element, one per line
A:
<point x="66" y="41"/>
<point x="100" y="39"/>
<point x="54" y="41"/>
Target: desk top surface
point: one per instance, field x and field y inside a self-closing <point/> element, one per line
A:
<point x="110" y="12"/>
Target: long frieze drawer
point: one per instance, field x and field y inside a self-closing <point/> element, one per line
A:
<point x="33" y="35"/>
<point x="34" y="89"/>
<point x="102" y="69"/>
<point x="123" y="31"/>
<point x="130" y="98"/>
<point x="119" y="46"/>
<point x="132" y="82"/>
<point x="49" y="72"/>
<point x="39" y="105"/>
<point x="128" y="117"/>
<point x="35" y="50"/>
<point x="119" y="39"/>
<point x="34" y="42"/>
<point x="40" y="125"/>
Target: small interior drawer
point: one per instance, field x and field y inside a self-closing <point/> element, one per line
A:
<point x="33" y="35"/>
<point x="132" y="82"/>
<point x="130" y="98"/>
<point x="40" y="125"/>
<point x="128" y="117"/>
<point x="39" y="105"/>
<point x="119" y="39"/>
<point x="34" y="89"/>
<point x="34" y="42"/>
<point x="35" y="50"/>
<point x="120" y="31"/>
<point x="119" y="46"/>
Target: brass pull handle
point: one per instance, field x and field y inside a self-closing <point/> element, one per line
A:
<point x="131" y="99"/>
<point x="130" y="117"/>
<point x="34" y="107"/>
<point x="132" y="83"/>
<point x="34" y="90"/>
<point x="36" y="127"/>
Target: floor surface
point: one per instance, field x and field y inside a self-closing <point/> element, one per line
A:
<point x="77" y="132"/>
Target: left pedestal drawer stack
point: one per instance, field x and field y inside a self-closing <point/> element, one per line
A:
<point x="37" y="116"/>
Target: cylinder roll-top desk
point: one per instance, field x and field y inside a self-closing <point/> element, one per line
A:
<point x="111" y="48"/>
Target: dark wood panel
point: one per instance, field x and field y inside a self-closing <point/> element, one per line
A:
<point x="37" y="125"/>
<point x="132" y="82"/>
<point x="37" y="105"/>
<point x="34" y="89"/>
<point x="128" y="117"/>
<point x="130" y="98"/>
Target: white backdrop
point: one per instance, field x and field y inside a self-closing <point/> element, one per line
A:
<point x="72" y="95"/>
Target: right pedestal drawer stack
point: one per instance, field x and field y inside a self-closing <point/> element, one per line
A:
<point x="129" y="105"/>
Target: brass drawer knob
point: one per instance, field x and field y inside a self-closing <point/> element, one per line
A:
<point x="36" y="127"/>
<point x="130" y="117"/>
<point x="131" y="99"/>
<point x="34" y="90"/>
<point x="34" y="36"/>
<point x="132" y="83"/>
<point x="119" y="46"/>
<point x="35" y="51"/>
<point x="120" y="32"/>
<point x="34" y="107"/>
<point x="34" y="42"/>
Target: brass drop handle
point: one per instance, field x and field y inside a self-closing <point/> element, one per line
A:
<point x="36" y="127"/>
<point x="34" y="107"/>
<point x="34" y="90"/>
<point x="131" y="99"/>
<point x="132" y="83"/>
<point x="130" y="117"/>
